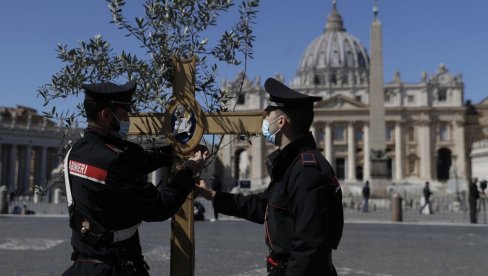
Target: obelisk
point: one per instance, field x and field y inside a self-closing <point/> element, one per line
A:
<point x="377" y="143"/>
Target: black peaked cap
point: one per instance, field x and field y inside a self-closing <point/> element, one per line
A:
<point x="110" y="93"/>
<point x="282" y="97"/>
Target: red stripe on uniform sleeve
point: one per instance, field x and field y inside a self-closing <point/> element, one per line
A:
<point x="87" y="171"/>
<point x="96" y="173"/>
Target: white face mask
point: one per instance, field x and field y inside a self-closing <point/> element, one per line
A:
<point x="270" y="137"/>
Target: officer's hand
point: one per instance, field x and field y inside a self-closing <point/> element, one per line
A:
<point x="207" y="193"/>
<point x="197" y="160"/>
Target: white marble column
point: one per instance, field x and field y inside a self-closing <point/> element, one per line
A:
<point x="12" y="180"/>
<point x="424" y="137"/>
<point x="398" y="151"/>
<point x="256" y="165"/>
<point x="351" y="153"/>
<point x="367" y="161"/>
<point x="37" y="165"/>
<point x="460" y="148"/>
<point x="27" y="167"/>
<point x="43" y="161"/>
<point x="328" y="143"/>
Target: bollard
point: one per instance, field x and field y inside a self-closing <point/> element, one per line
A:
<point x="36" y="198"/>
<point x="396" y="207"/>
<point x="57" y="195"/>
<point x="3" y="200"/>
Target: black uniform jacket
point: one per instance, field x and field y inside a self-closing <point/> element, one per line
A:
<point x="473" y="190"/>
<point x="107" y="176"/>
<point x="301" y="209"/>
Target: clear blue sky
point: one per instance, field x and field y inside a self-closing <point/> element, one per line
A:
<point x="418" y="35"/>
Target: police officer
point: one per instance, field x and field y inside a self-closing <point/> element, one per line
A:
<point x="474" y="195"/>
<point x="302" y="207"/>
<point x="107" y="193"/>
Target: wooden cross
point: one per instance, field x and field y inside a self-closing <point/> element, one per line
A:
<point x="184" y="124"/>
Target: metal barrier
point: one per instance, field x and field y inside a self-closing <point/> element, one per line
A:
<point x="443" y="207"/>
<point x="27" y="205"/>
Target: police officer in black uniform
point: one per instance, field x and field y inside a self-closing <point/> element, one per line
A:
<point x="302" y="207"/>
<point x="474" y="195"/>
<point x="107" y="193"/>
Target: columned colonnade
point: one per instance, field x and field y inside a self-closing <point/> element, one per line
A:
<point x="355" y="148"/>
<point x="29" y="149"/>
<point x="23" y="165"/>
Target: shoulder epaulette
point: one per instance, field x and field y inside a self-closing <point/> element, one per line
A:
<point x="308" y="159"/>
<point x="114" y="148"/>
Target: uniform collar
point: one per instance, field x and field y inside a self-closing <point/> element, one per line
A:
<point x="106" y="138"/>
<point x="279" y="160"/>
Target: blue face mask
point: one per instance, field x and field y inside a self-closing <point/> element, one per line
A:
<point x="123" y="131"/>
<point x="270" y="137"/>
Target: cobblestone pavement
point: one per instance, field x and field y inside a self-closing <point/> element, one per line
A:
<point x="33" y="245"/>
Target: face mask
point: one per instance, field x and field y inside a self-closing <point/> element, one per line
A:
<point x="121" y="128"/>
<point x="270" y="137"/>
<point x="124" y="129"/>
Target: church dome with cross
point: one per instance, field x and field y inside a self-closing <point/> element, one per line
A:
<point x="334" y="57"/>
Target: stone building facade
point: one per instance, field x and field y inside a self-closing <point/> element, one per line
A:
<point x="29" y="149"/>
<point x="425" y="122"/>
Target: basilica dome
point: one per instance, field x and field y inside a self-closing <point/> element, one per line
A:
<point x="333" y="58"/>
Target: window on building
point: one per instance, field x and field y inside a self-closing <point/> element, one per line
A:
<point x="388" y="132"/>
<point x="443" y="132"/>
<point x="389" y="168"/>
<point x="358" y="134"/>
<point x="361" y="60"/>
<point x="387" y="98"/>
<point x="316" y="80"/>
<point x="340" y="168"/>
<point x="442" y="95"/>
<point x="411" y="134"/>
<point x="320" y="136"/>
<point x="339" y="133"/>
<point x="359" y="172"/>
<point x="358" y="98"/>
<point x="410" y="99"/>
<point x="333" y="78"/>
<point x="344" y="79"/>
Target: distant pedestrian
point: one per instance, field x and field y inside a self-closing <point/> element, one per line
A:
<point x="365" y="193"/>
<point x="216" y="185"/>
<point x="474" y="195"/>
<point x="427" y="193"/>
